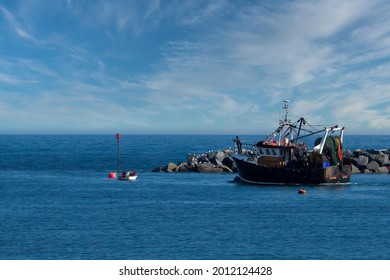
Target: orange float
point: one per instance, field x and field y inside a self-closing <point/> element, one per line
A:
<point x="302" y="191"/>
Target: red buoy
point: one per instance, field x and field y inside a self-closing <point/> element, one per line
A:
<point x="302" y="191"/>
<point x="112" y="175"/>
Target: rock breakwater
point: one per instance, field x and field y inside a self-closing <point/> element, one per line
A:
<point x="210" y="162"/>
<point x="363" y="161"/>
<point x="369" y="161"/>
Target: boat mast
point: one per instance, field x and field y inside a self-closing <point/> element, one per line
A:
<point x="118" y="137"/>
<point x="285" y="122"/>
<point x="285" y="107"/>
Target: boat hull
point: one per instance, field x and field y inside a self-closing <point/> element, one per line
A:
<point x="251" y="172"/>
<point x="128" y="178"/>
<point x="129" y="175"/>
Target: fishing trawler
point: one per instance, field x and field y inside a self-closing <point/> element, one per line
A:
<point x="282" y="158"/>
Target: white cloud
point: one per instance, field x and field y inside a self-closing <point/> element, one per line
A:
<point x="295" y="43"/>
<point x="15" y="25"/>
<point x="219" y="64"/>
<point x="49" y="112"/>
<point x="8" y="79"/>
<point x="298" y="51"/>
<point x="121" y="16"/>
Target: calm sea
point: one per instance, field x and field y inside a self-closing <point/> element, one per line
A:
<point x="56" y="202"/>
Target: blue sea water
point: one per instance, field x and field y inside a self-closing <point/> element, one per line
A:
<point x="56" y="202"/>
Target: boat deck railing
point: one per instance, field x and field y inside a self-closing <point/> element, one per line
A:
<point x="247" y="148"/>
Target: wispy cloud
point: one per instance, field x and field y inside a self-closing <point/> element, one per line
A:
<point x="303" y="50"/>
<point x="121" y="16"/>
<point x="8" y="79"/>
<point x="15" y="25"/>
<point x="211" y="66"/>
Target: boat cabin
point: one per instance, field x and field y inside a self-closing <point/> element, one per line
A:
<point x="274" y="155"/>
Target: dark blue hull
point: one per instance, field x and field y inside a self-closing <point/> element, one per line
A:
<point x="251" y="172"/>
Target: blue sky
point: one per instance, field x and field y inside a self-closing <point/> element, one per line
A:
<point x="193" y="67"/>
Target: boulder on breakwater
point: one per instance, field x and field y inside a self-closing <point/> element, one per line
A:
<point x="369" y="161"/>
<point x="363" y="161"/>
<point x="210" y="162"/>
